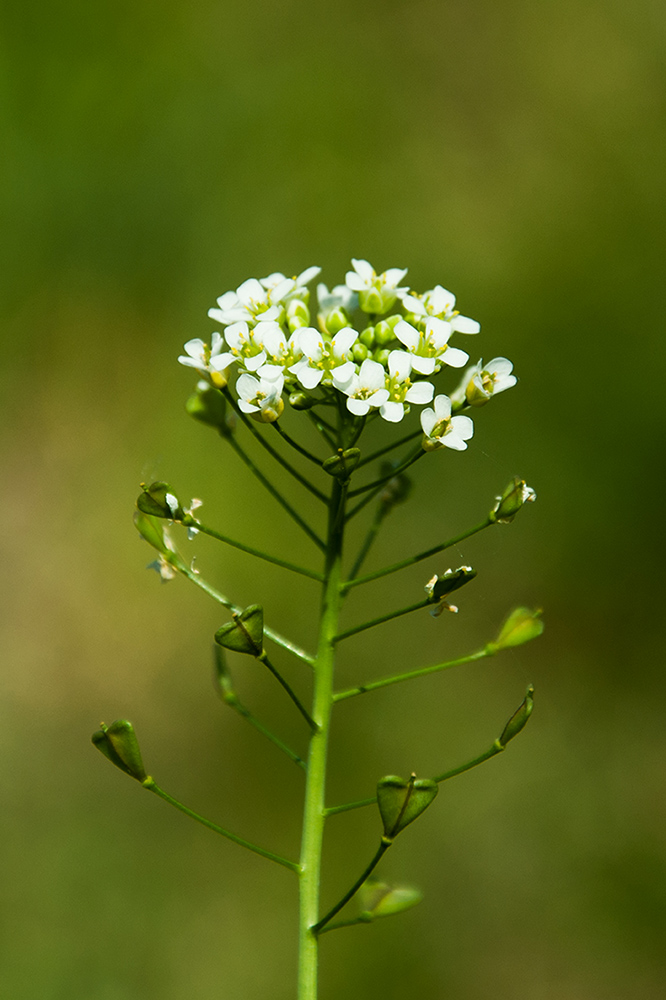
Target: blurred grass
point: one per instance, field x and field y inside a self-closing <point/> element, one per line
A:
<point x="155" y="156"/>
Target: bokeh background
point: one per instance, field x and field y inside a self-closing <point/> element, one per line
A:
<point x="156" y="155"/>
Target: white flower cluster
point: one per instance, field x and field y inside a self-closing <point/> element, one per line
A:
<point x="270" y="346"/>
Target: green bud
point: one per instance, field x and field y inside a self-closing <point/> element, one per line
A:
<point x="519" y="718"/>
<point x="152" y="530"/>
<point x="300" y="400"/>
<point x="298" y="314"/>
<point x="371" y="301"/>
<point x="336" y="320"/>
<point x="359" y="353"/>
<point x="368" y="337"/>
<point x="383" y="334"/>
<point x="401" y="801"/>
<point x="381" y="355"/>
<point x="521" y="626"/>
<point x="245" y="634"/>
<point x="223" y="677"/>
<point x="393" y="320"/>
<point x="159" y="500"/>
<point x="210" y="407"/>
<point x="119" y="743"/>
<point x="379" y="899"/>
<point x="516" y="494"/>
<point x="342" y="465"/>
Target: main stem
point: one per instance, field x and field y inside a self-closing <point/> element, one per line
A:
<point x="314" y="809"/>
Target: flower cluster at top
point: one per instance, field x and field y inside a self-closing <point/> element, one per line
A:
<point x="373" y="340"/>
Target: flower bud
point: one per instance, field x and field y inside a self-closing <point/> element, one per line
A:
<point x="298" y="315"/>
<point x="381" y="355"/>
<point x="342" y="465"/>
<point x="400" y="801"/>
<point x="119" y="743"/>
<point x="383" y="334"/>
<point x="359" y="353"/>
<point x="368" y="337"/>
<point x="371" y="301"/>
<point x="245" y="634"/>
<point x="512" y="499"/>
<point x="336" y="320"/>
<point x="519" y="718"/>
<point x="158" y="500"/>
<point x="379" y="899"/>
<point x="521" y="626"/>
<point x="209" y="406"/>
<point x="300" y="400"/>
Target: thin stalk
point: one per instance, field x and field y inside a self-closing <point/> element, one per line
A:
<point x="410" y="675"/>
<point x="294" y="444"/>
<point x="380" y="514"/>
<point x="280" y="459"/>
<point x="414" y="559"/>
<point x="276" y="494"/>
<point x="270" y="633"/>
<point x="383" y="847"/>
<point x="313" y="813"/>
<point x="325" y="429"/>
<point x="384" y="479"/>
<point x="494" y="749"/>
<point x="389" y="447"/>
<point x="151" y="785"/>
<point x="294" y="697"/>
<point x="383" y="618"/>
<point x="345" y="923"/>
<point x="205" y="530"/>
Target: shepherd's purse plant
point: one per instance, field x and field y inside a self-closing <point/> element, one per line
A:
<point x="368" y="352"/>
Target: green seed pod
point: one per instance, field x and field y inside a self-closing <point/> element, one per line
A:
<point x="519" y="718"/>
<point x="342" y="465"/>
<point x="118" y="742"/>
<point x="208" y="406"/>
<point x="452" y="580"/>
<point x="401" y="801"/>
<point x="245" y="634"/>
<point x="151" y="529"/>
<point x="516" y="494"/>
<point x="521" y="626"/>
<point x="379" y="899"/>
<point x="159" y="500"/>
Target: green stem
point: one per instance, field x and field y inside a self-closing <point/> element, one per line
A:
<point x="383" y="847"/>
<point x="414" y="559"/>
<point x="192" y="522"/>
<point x="294" y="697"/>
<point x="345" y="923"/>
<point x="380" y="514"/>
<point x="276" y="494"/>
<point x="383" y="618"/>
<point x="271" y="450"/>
<point x="410" y="675"/>
<point x="150" y="784"/>
<point x="494" y="749"/>
<point x="270" y="633"/>
<point x="389" y="447"/>
<point x="384" y="479"/>
<point x="313" y="813"/>
<point x="324" y="428"/>
<point x="294" y="444"/>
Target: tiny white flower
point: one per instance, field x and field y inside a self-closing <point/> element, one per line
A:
<point x="207" y="360"/>
<point x="428" y="348"/>
<point x="260" y="397"/>
<point x="366" y="389"/>
<point x="194" y="504"/>
<point x="376" y="292"/>
<point x="246" y="345"/>
<point x="488" y="380"/>
<point x="288" y="288"/>
<point x="439" y="303"/>
<point x="339" y="297"/>
<point x="441" y="429"/>
<point x="324" y="361"/>
<point x="251" y="302"/>
<point x="401" y="389"/>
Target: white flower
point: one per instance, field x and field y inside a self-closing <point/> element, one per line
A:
<point x="260" y="397"/>
<point x="429" y="347"/>
<point x="488" y="381"/>
<point x="207" y="360"/>
<point x="339" y="297"/>
<point x="252" y="302"/>
<point x="401" y="389"/>
<point x="366" y="389"/>
<point x="441" y="429"/>
<point x="324" y="360"/>
<point x="439" y="303"/>
<point x="376" y="292"/>
<point x="246" y="345"/>
<point x="296" y="287"/>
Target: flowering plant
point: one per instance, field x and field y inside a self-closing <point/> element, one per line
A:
<point x="368" y="350"/>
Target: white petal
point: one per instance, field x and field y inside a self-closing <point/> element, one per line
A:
<point x="236" y="334"/>
<point x="379" y="397"/>
<point x="407" y="334"/>
<point x="191" y="362"/>
<point x="273" y="313"/>
<point x="451" y="441"/>
<point x="222" y="361"/>
<point x="342" y="373"/>
<point x="441" y="300"/>
<point x="358" y="406"/>
<point x="270" y="372"/>
<point x="272" y="280"/>
<point x="372" y="374"/>
<point x="251" y="291"/>
<point x="278" y="293"/>
<point x="424" y="366"/>
<point x="428" y="421"/>
<point x="228" y="300"/>
<point x="442" y="407"/>
<point x="393" y="412"/>
<point x="463" y="324"/>
<point x="364" y="269"/>
<point x="501" y="366"/>
<point x="343" y="340"/>
<point x="310" y="377"/>
<point x="247" y="407"/>
<point x="354" y="281"/>
<point x="462" y="427"/>
<point x="506" y="382"/>
<point x="306" y="276"/>
<point x="311" y="344"/>
<point x="216" y="343"/>
<point x="195" y="348"/>
<point x="247" y="386"/>
<point x="420" y="392"/>
<point x="394" y="276"/>
<point x="454" y="357"/>
<point x="253" y="364"/>
<point x="400" y="364"/>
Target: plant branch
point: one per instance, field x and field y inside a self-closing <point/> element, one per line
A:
<point x="278" y="676"/>
<point x="380" y="514"/>
<point x="410" y="675"/>
<point x="205" y="530"/>
<point x="383" y="618"/>
<point x="294" y="444"/>
<point x="389" y="447"/>
<point x="383" y="847"/>
<point x="384" y="479"/>
<point x="151" y="785"/>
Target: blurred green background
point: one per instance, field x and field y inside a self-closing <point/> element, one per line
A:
<point x="156" y="155"/>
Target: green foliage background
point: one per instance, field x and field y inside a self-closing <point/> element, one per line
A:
<point x="156" y="154"/>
